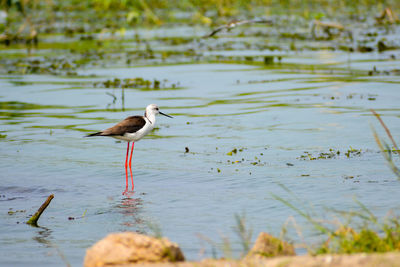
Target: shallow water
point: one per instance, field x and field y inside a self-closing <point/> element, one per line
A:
<point x="272" y="116"/>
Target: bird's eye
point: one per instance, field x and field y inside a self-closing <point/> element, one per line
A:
<point x="156" y="108"/>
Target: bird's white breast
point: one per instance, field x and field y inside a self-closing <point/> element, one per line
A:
<point x="136" y="136"/>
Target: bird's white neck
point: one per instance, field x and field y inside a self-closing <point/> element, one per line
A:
<point x="151" y="117"/>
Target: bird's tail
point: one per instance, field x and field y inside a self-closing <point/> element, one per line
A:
<point x="93" y="134"/>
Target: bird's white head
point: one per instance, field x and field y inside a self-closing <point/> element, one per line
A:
<point x="152" y="110"/>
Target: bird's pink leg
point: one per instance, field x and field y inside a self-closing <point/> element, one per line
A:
<point x="126" y="169"/>
<point x="130" y="164"/>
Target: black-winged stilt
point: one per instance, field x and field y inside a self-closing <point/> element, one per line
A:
<point x="132" y="129"/>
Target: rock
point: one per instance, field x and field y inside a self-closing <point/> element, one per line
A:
<point x="390" y="259"/>
<point x="268" y="246"/>
<point x="129" y="247"/>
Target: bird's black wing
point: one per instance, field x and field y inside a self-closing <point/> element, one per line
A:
<point x="131" y="124"/>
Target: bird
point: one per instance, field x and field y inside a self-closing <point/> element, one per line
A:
<point x="236" y="23"/>
<point x="132" y="129"/>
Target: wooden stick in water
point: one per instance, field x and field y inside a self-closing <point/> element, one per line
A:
<point x="33" y="220"/>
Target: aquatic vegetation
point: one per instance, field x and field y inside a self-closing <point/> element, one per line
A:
<point x="331" y="154"/>
<point x="155" y="229"/>
<point x="349" y="240"/>
<point x="244" y="234"/>
<point x="53" y="66"/>
<point x="370" y="97"/>
<point x="235" y="151"/>
<point x="355" y="232"/>
<point x="386" y="150"/>
<point x="322" y="30"/>
<point x="106" y="38"/>
<point x="255" y="161"/>
<point x="137" y="83"/>
<point x="12" y="212"/>
<point x="323" y="155"/>
<point x="353" y="152"/>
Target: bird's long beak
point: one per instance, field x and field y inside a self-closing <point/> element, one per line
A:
<point x="166" y="115"/>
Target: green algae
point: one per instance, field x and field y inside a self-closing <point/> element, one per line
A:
<point x="331" y="154"/>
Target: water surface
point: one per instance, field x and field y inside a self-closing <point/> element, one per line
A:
<point x="272" y="116"/>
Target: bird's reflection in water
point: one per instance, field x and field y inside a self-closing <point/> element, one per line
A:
<point x="131" y="208"/>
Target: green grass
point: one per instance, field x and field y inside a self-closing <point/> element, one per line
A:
<point x="224" y="247"/>
<point x="385" y="148"/>
<point x="353" y="232"/>
<point x="243" y="232"/>
<point x="347" y="240"/>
